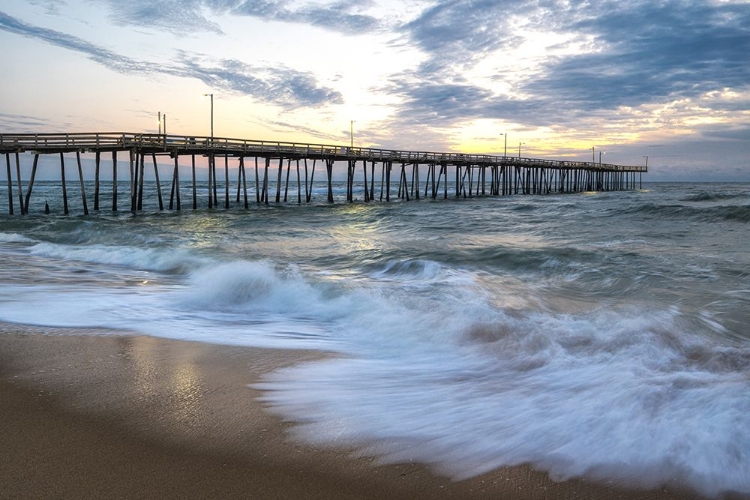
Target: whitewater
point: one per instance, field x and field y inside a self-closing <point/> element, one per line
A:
<point x="595" y="335"/>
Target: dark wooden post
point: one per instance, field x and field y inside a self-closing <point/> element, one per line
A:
<point x="265" y="181"/>
<point x="140" y="181"/>
<point x="329" y="169"/>
<point x="176" y="181"/>
<point x="83" y="189"/>
<point x="244" y="179"/>
<point x="114" y="181"/>
<point x="278" y="180"/>
<point x="158" y="184"/>
<point x="10" y="185"/>
<point x="31" y="183"/>
<point x="96" y="180"/>
<point x="226" y="181"/>
<point x="299" y="185"/>
<point x="257" y="182"/>
<point x="240" y="167"/>
<point x="20" y="186"/>
<point x="132" y="181"/>
<point x="64" y="186"/>
<point x="286" y="185"/>
<point x="210" y="179"/>
<point x="312" y="179"/>
<point x="195" y="186"/>
<point x="367" y="189"/>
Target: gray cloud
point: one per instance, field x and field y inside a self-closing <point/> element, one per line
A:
<point x="278" y="85"/>
<point x="184" y="16"/>
<point x="647" y="52"/>
<point x="21" y="123"/>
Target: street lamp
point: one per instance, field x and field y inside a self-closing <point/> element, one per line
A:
<point x="593" y="155"/>
<point x="646" y="157"/>
<point x="159" y="122"/>
<point x="212" y="113"/>
<point x="351" y="135"/>
<point x="519" y="148"/>
<point x="505" y="153"/>
<point x="600" y="157"/>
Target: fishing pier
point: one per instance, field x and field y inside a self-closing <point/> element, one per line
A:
<point x="273" y="162"/>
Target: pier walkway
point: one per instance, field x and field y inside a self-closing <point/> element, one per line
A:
<point x="507" y="175"/>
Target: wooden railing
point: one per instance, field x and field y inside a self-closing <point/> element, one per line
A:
<point x="180" y="144"/>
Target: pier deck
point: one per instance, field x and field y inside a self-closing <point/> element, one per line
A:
<point x="508" y="174"/>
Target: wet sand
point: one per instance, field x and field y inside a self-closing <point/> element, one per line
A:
<point x="136" y="417"/>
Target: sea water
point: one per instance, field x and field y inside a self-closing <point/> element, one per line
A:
<point x="598" y="335"/>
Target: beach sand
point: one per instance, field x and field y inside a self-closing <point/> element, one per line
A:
<point x="122" y="416"/>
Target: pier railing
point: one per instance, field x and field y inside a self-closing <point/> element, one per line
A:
<point x="181" y="144"/>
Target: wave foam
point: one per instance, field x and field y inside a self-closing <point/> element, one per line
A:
<point x="616" y="397"/>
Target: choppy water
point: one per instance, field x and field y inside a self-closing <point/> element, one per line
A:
<point x="600" y="335"/>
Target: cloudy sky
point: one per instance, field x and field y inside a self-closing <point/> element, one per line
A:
<point x="659" y="78"/>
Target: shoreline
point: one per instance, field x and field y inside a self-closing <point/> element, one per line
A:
<point x="127" y="416"/>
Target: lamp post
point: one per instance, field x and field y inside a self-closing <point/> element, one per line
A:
<point x="519" y="148"/>
<point x="646" y="157"/>
<point x="351" y="135"/>
<point x="593" y="156"/>
<point x="600" y="157"/>
<point x="159" y="122"/>
<point x="212" y="113"/>
<point x="505" y="152"/>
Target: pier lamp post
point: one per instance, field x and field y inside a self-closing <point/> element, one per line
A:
<point x="212" y="114"/>
<point x="646" y="157"/>
<point x="505" y="152"/>
<point x="351" y="135"/>
<point x="159" y="122"/>
<point x="600" y="157"/>
<point x="593" y="156"/>
<point x="519" y="148"/>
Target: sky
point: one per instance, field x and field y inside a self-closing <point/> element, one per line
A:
<point x="667" y="79"/>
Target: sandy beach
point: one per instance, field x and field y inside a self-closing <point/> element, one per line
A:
<point x="137" y="417"/>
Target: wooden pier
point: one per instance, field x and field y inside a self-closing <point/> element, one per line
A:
<point x="507" y="175"/>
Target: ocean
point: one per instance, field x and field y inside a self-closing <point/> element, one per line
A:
<point x="599" y="335"/>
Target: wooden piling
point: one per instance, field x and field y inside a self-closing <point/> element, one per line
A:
<point x="114" y="181"/>
<point x="278" y="180"/>
<point x="195" y="184"/>
<point x="226" y="181"/>
<point x="64" y="186"/>
<point x="158" y="184"/>
<point x="10" y="185"/>
<point x="142" y="168"/>
<point x="299" y="185"/>
<point x="97" y="162"/>
<point x="31" y="183"/>
<point x="210" y="178"/>
<point x="83" y="189"/>
<point x="286" y="185"/>
<point x="20" y="186"/>
<point x="329" y="170"/>
<point x="244" y="179"/>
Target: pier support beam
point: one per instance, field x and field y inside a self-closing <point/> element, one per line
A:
<point x="10" y="185"/>
<point x="83" y="188"/>
<point x="31" y="183"/>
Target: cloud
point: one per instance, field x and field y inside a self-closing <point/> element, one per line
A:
<point x="20" y="123"/>
<point x="735" y="134"/>
<point x="628" y="54"/>
<point x="185" y="16"/>
<point x="280" y="86"/>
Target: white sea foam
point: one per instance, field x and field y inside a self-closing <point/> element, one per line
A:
<point x="630" y="398"/>
<point x="152" y="259"/>
<point x="14" y="238"/>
